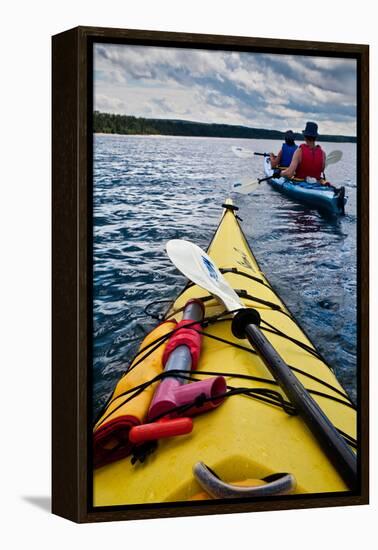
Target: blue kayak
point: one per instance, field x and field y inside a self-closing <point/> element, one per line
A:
<point x="315" y="195"/>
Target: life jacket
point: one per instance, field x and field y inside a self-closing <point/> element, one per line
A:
<point x="311" y="164"/>
<point x="287" y="152"/>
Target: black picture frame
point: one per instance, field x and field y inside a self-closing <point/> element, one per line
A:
<point x="72" y="106"/>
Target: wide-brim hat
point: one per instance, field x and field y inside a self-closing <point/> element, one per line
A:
<point x="311" y="130"/>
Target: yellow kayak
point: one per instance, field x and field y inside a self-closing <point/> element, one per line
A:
<point x="253" y="435"/>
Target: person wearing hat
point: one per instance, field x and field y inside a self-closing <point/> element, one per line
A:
<point x="308" y="160"/>
<point x="285" y="154"/>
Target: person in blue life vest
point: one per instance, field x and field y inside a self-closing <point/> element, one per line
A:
<point x="285" y="155"/>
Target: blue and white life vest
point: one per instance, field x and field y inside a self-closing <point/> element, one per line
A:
<point x="287" y="154"/>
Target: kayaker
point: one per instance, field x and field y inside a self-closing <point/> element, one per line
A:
<point x="309" y="158"/>
<point x="285" y="155"/>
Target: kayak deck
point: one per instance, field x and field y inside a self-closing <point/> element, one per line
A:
<point x="245" y="437"/>
<point x="312" y="194"/>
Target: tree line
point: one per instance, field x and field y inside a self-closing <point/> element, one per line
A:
<point x="108" y="123"/>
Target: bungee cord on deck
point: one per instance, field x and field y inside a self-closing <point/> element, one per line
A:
<point x="264" y="395"/>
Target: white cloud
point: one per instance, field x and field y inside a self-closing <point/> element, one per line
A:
<point x="273" y="91"/>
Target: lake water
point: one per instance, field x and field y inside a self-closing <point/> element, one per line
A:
<point x="150" y="189"/>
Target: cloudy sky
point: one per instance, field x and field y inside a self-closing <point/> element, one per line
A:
<point x="258" y="90"/>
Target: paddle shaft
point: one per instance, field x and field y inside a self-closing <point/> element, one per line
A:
<point x="332" y="158"/>
<point x="197" y="266"/>
<point x="258" y="181"/>
<point x="265" y="179"/>
<point x="336" y="448"/>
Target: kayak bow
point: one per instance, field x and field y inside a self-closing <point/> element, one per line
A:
<point x="253" y="436"/>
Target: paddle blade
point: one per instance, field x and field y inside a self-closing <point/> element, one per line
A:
<point x="333" y="157"/>
<point x="242" y="153"/>
<point x="245" y="185"/>
<point x="199" y="268"/>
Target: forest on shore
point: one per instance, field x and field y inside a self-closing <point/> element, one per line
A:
<point x="108" y="123"/>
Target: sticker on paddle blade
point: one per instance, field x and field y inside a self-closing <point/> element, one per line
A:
<point x="210" y="268"/>
<point x="196" y="265"/>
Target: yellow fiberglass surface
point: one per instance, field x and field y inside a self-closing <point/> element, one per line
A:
<point x="244" y="438"/>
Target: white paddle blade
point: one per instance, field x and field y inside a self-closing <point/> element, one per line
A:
<point x="333" y="157"/>
<point x="199" y="268"/>
<point x="245" y="185"/>
<point x="242" y="153"/>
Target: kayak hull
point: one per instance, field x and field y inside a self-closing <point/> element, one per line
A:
<point x="244" y="438"/>
<point x="313" y="195"/>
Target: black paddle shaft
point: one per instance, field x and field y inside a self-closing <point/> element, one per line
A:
<point x="336" y="448"/>
<point x="265" y="179"/>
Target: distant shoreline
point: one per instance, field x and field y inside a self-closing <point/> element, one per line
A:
<point x="169" y="136"/>
<point x="110" y="124"/>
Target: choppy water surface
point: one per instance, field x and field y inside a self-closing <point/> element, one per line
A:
<point x="148" y="190"/>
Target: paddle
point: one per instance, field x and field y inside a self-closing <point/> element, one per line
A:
<point x="333" y="157"/>
<point x="246" y="184"/>
<point x="198" y="267"/>
<point x="243" y="153"/>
